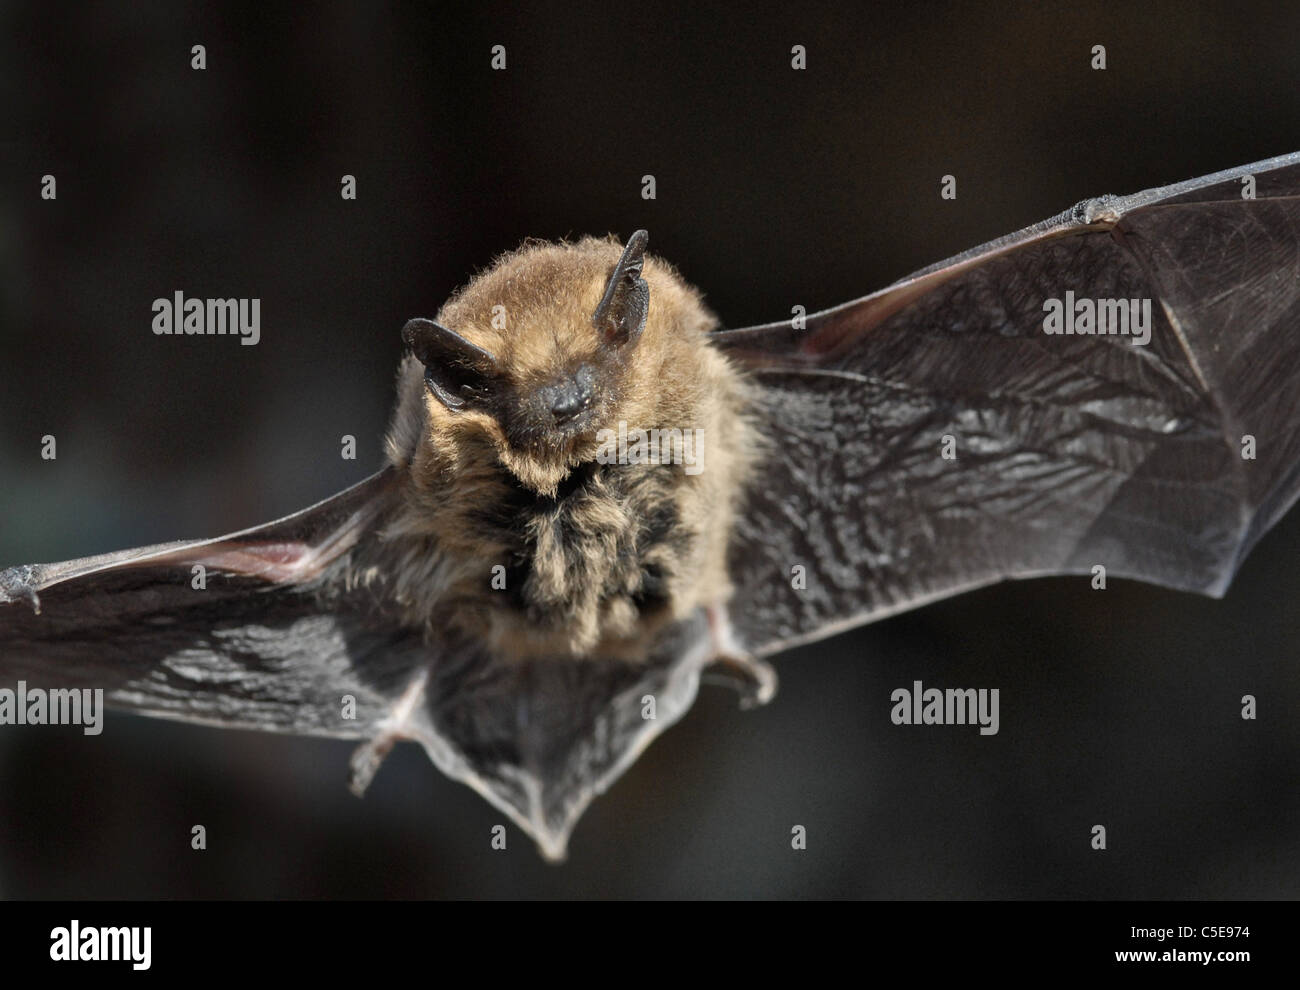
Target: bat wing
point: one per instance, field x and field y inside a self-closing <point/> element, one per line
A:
<point x="264" y="642"/>
<point x="246" y="642"/>
<point x="1065" y="451"/>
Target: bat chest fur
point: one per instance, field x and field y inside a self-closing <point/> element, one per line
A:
<point x="622" y="547"/>
<point x="598" y="562"/>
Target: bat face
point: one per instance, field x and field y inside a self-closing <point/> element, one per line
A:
<point x="555" y="343"/>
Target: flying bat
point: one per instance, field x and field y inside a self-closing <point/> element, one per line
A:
<point x="593" y="493"/>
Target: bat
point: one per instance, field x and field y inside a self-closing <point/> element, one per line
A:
<point x="594" y="495"/>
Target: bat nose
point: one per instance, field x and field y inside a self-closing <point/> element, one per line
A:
<point x="573" y="396"/>
<point x="568" y="405"/>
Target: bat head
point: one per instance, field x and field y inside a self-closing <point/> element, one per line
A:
<point x="530" y="361"/>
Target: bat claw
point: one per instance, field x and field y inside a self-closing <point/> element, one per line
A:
<point x="754" y="679"/>
<point x="16" y="583"/>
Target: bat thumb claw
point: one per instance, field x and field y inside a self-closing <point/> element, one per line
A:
<point x="15" y="584"/>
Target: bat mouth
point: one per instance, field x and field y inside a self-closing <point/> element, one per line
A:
<point x="556" y="427"/>
<point x="579" y="426"/>
<point x="540" y="455"/>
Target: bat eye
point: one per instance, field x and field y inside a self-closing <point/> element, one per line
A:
<point x="459" y="374"/>
<point x="457" y="387"/>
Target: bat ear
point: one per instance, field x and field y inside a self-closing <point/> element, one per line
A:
<point x="621" y="315"/>
<point x="458" y="373"/>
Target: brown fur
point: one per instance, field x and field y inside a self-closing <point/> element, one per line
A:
<point x="595" y="556"/>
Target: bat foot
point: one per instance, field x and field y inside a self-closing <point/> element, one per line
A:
<point x="366" y="761"/>
<point x="16" y="583"/>
<point x="754" y="679"/>
<point x="369" y="756"/>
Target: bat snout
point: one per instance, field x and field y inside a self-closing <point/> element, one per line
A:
<point x="568" y="405"/>
<point x="566" y="399"/>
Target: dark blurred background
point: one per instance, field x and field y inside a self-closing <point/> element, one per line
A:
<point x="775" y="187"/>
